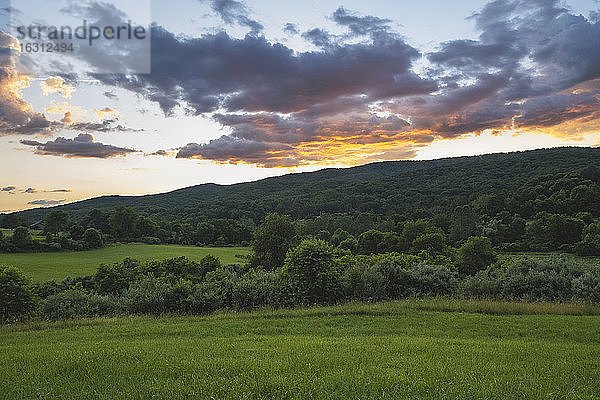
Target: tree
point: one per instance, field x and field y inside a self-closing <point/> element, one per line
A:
<point x="21" y="237"/>
<point x="147" y="227"/>
<point x="272" y="240"/>
<point x="56" y="221"/>
<point x="115" y="278"/>
<point x="123" y="222"/>
<point x="462" y="223"/>
<point x="17" y="298"/>
<point x="475" y="254"/>
<point x="370" y="242"/>
<point x="311" y="273"/>
<point x="93" y="239"/>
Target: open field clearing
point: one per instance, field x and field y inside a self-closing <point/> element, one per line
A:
<point x="45" y="266"/>
<point x="389" y="350"/>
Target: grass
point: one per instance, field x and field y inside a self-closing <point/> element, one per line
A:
<point x="46" y="266"/>
<point x="36" y="234"/>
<point x="357" y="351"/>
<point x="586" y="260"/>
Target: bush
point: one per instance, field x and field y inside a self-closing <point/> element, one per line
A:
<point x="256" y="288"/>
<point x="587" y="286"/>
<point x="433" y="280"/>
<point x="552" y="279"/>
<point x="17" y="297"/>
<point x="114" y="278"/>
<point x="474" y="255"/>
<point x="21" y="238"/>
<point x="93" y="239"/>
<point x="214" y="292"/>
<point x="77" y="303"/>
<point x="311" y="273"/>
<point x="177" y="268"/>
<point x="147" y="296"/>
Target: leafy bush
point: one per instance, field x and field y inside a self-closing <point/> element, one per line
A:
<point x="147" y="296"/>
<point x="17" y="297"/>
<point x="256" y="288"/>
<point x="475" y="255"/>
<point x="587" y="286"/>
<point x="77" y="303"/>
<point x="433" y="280"/>
<point x="114" y="278"/>
<point x="311" y="273"/>
<point x="553" y="279"/>
<point x="214" y="292"/>
<point x="93" y="239"/>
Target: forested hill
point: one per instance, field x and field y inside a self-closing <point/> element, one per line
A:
<point x="382" y="188"/>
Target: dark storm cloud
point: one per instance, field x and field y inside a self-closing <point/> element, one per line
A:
<point x="30" y="190"/>
<point x="83" y="146"/>
<point x="8" y="189"/>
<point x="235" y="12"/>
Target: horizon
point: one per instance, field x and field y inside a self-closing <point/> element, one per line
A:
<point x="240" y="91"/>
<point x="296" y="173"/>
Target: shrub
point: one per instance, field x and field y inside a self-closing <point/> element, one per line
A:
<point x="587" y="286"/>
<point x="17" y="297"/>
<point x="475" y="255"/>
<point x="114" y="278"/>
<point x="552" y="279"/>
<point x="214" y="292"/>
<point x="93" y="239"/>
<point x="147" y="296"/>
<point x="21" y="238"/>
<point x="256" y="288"/>
<point x="311" y="273"/>
<point x="177" y="268"/>
<point x="77" y="303"/>
<point x="433" y="280"/>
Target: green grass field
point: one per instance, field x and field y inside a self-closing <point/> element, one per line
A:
<point x="35" y="234"/>
<point x="45" y="266"/>
<point x="392" y="350"/>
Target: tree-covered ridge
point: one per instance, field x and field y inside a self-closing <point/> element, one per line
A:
<point x="386" y="188"/>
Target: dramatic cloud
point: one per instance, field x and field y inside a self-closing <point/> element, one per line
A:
<point x="56" y="84"/>
<point x="16" y="115"/>
<point x="534" y="68"/>
<point x="83" y="146"/>
<point x="235" y="12"/>
<point x="8" y="189"/>
<point x="30" y="190"/>
<point x="46" y="202"/>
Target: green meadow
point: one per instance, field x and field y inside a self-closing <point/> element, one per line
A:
<point x="408" y="349"/>
<point x="45" y="266"/>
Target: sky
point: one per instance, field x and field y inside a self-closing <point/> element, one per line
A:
<point x="227" y="91"/>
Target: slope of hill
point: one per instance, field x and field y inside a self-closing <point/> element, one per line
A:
<point x="382" y="188"/>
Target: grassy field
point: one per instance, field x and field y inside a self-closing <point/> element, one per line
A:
<point x="45" y="266"/>
<point x="393" y="350"/>
<point x="35" y="234"/>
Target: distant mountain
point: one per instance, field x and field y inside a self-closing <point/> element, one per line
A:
<point x="383" y="188"/>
